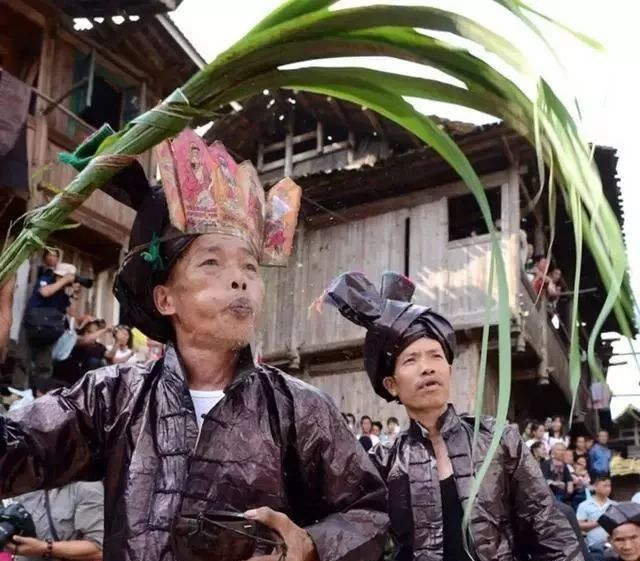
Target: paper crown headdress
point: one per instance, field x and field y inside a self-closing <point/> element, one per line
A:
<point x="208" y="192"/>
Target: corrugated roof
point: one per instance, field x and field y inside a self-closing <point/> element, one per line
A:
<point x="108" y="8"/>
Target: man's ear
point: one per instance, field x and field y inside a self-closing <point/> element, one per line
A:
<point x="163" y="300"/>
<point x="389" y="384"/>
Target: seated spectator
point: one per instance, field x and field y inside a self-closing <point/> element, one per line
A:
<point x="556" y="433"/>
<point x="557" y="473"/>
<point x="69" y="520"/>
<point x="547" y="281"/>
<point x="393" y="429"/>
<point x="538" y="451"/>
<point x="600" y="456"/>
<point x="581" y="482"/>
<point x="580" y="449"/>
<point x="622" y="523"/>
<point x="538" y="432"/>
<point x="540" y="266"/>
<point x="590" y="511"/>
<point x="376" y="429"/>
<point x="568" y="460"/>
<point x="554" y="289"/>
<point x="366" y="426"/>
<point x="122" y="349"/>
<point x="526" y="432"/>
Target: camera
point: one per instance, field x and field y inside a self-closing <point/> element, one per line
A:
<point x="14" y="519"/>
<point x="87" y="282"/>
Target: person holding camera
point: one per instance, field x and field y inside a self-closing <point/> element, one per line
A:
<point x="68" y="523"/>
<point x="45" y="318"/>
<point x="62" y="523"/>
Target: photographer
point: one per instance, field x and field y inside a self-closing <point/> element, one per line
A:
<point x="45" y="318"/>
<point x="69" y="523"/>
<point x="69" y="520"/>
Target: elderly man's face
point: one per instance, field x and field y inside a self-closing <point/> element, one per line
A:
<point x="422" y="376"/>
<point x="557" y="452"/>
<point x="625" y="539"/>
<point x="214" y="293"/>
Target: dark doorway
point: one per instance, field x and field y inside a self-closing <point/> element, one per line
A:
<point x="106" y="105"/>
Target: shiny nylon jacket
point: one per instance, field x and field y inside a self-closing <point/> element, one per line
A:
<point x="271" y="441"/>
<point x="514" y="518"/>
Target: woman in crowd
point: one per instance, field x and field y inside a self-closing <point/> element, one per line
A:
<point x="537" y="435"/>
<point x="581" y="481"/>
<point x="121" y="351"/>
<point x="538" y="451"/>
<point x="556" y="434"/>
<point x="526" y="433"/>
<point x="580" y="449"/>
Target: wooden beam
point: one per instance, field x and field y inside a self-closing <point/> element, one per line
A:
<point x="288" y="147"/>
<point x="306" y="103"/>
<point x="107" y="59"/>
<point x="418" y="143"/>
<point x="339" y="111"/>
<point x="375" y="123"/>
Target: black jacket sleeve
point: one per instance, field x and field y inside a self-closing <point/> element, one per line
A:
<point x="543" y="532"/>
<point x="57" y="439"/>
<point x="341" y="483"/>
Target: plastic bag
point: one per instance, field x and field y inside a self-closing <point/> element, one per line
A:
<point x="64" y="345"/>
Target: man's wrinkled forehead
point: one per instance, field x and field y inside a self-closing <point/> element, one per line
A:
<point x="626" y="531"/>
<point x="422" y="345"/>
<point x="219" y="245"/>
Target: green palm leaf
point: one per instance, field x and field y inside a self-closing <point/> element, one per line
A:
<point x="303" y="30"/>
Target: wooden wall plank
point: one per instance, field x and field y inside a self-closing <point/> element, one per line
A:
<point x="453" y="276"/>
<point x="372" y="246"/>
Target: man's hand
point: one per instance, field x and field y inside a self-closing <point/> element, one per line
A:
<point x="26" y="546"/>
<point x="300" y="546"/>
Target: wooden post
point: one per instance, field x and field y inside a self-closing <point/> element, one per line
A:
<point x="350" y="149"/>
<point x="543" y="366"/>
<point x="296" y="333"/>
<point x="538" y="238"/>
<point x="260" y="161"/>
<point x="288" y="146"/>
<point x="319" y="137"/>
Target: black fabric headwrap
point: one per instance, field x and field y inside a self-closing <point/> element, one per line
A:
<point x="391" y="321"/>
<point x="137" y="277"/>
<point x="619" y="514"/>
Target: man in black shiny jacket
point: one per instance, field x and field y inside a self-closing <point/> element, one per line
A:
<point x="430" y="468"/>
